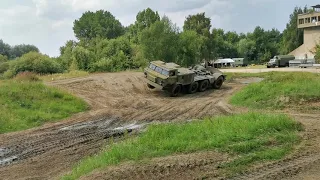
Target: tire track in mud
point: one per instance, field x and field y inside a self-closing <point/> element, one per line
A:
<point x="64" y="138"/>
<point x="191" y="166"/>
<point x="282" y="169"/>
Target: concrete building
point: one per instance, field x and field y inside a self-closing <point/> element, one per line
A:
<point x="310" y="23"/>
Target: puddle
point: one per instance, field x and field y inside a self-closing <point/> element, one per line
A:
<point x="130" y="126"/>
<point x="7" y="161"/>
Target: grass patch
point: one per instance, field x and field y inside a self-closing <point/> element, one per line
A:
<point x="279" y="90"/>
<point x="252" y="136"/>
<point x="61" y="76"/>
<point x="27" y="104"/>
<point x="231" y="76"/>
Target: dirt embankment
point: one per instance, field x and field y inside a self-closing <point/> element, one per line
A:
<point x="122" y="100"/>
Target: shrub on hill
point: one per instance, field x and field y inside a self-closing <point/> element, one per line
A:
<point x="33" y="62"/>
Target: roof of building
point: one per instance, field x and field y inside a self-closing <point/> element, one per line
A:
<point x="316" y="6"/>
<point x="224" y="61"/>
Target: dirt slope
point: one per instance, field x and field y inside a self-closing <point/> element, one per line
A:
<point x="117" y="99"/>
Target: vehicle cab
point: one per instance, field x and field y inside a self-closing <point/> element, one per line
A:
<point x="160" y="74"/>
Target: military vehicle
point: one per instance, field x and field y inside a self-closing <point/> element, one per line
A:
<point x="280" y="61"/>
<point x="173" y="78"/>
<point x="240" y="62"/>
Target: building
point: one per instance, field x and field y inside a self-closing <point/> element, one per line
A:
<point x="224" y="63"/>
<point x="310" y="23"/>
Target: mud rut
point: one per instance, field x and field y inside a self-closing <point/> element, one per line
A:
<point x="119" y="102"/>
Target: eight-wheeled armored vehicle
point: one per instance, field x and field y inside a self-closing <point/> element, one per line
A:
<point x="173" y="78"/>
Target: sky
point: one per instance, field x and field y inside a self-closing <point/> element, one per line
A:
<point x="48" y="23"/>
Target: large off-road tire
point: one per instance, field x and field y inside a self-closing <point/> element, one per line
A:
<point x="150" y="86"/>
<point x="193" y="87"/>
<point x="218" y="83"/>
<point x="203" y="85"/>
<point x="175" y="90"/>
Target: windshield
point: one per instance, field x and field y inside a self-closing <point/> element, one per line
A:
<point x="159" y="70"/>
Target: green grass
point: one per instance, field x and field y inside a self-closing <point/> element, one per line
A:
<point x="27" y="104"/>
<point x="278" y="90"/>
<point x="253" y="136"/>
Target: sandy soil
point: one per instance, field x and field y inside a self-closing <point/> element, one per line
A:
<point x="123" y="100"/>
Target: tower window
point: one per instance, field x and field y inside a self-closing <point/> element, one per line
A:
<point x="301" y="21"/>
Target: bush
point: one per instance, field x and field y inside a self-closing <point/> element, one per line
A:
<point x="4" y="67"/>
<point x="33" y="62"/>
<point x="27" y="76"/>
<point x="103" y="65"/>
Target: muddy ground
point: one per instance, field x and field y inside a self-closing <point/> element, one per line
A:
<point x="122" y="101"/>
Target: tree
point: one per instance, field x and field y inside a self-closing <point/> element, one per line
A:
<point x="69" y="44"/>
<point x="232" y="37"/>
<point x="146" y="18"/>
<point x="316" y="53"/>
<point x="4" y="48"/>
<point x="66" y="57"/>
<point x="83" y="57"/>
<point x="3" y="58"/>
<point x="160" y="41"/>
<point x="100" y="24"/>
<point x="247" y="49"/>
<point x="190" y="48"/>
<point x="199" y="23"/>
<point x="292" y="36"/>
<point x="19" y="50"/>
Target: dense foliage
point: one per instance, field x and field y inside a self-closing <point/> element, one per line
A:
<point x="12" y="52"/>
<point x="32" y="62"/>
<point x="104" y="45"/>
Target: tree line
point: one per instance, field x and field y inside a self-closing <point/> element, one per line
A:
<point x="104" y="45"/>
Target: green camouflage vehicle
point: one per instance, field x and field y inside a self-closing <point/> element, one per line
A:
<point x="173" y="78"/>
<point x="280" y="61"/>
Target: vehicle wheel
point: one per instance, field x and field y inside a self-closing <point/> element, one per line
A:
<point x="150" y="86"/>
<point x="193" y="87"/>
<point x="175" y="90"/>
<point x="203" y="85"/>
<point x="218" y="83"/>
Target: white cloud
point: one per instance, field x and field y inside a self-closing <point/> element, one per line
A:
<point x="48" y="23"/>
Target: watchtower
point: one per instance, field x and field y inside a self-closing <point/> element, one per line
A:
<point x="310" y="23"/>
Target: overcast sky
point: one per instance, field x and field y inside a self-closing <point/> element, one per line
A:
<point x="48" y="23"/>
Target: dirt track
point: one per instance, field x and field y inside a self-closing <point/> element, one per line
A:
<point x="122" y="99"/>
